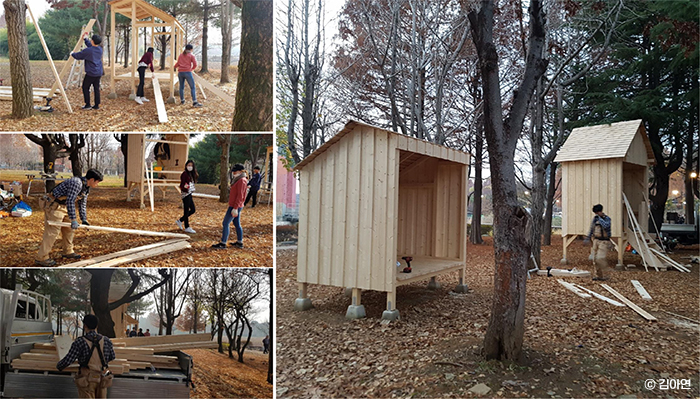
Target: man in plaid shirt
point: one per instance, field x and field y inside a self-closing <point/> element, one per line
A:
<point x="60" y="206"/>
<point x="91" y="369"/>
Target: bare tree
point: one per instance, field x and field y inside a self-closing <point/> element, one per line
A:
<point x="52" y="145"/>
<point x="173" y="297"/>
<point x="227" y="17"/>
<point x="504" y="336"/>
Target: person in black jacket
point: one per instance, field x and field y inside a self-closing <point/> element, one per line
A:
<point x="187" y="180"/>
<point x="254" y="185"/>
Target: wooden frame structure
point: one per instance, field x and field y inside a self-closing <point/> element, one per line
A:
<point x="599" y="164"/>
<point x="144" y="15"/>
<point x="369" y="197"/>
<point x="179" y="144"/>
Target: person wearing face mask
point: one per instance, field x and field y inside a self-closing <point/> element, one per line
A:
<point x="235" y="206"/>
<point x="186" y="63"/>
<point x="187" y="180"/>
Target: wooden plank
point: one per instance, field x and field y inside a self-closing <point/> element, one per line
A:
<point x="629" y="303"/>
<point x="133" y="257"/>
<point x="670" y="261"/>
<point x="135" y="342"/>
<point x="63" y="344"/>
<point x="573" y="289"/>
<point x="643" y="292"/>
<point x="367" y="186"/>
<point x="216" y="197"/>
<point x="160" y="104"/>
<point x="682" y="317"/>
<point x="327" y="204"/>
<point x="48" y="56"/>
<point x="565" y="273"/>
<point x="149" y="175"/>
<point x="380" y="261"/>
<point x="303" y="226"/>
<point x="314" y="233"/>
<point x="340" y="176"/>
<point x="218" y="92"/>
<point x="125" y="231"/>
<point x="352" y="215"/>
<point x="601" y="297"/>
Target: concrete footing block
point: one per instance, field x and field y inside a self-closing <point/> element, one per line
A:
<point x="355" y="312"/>
<point x="461" y="289"/>
<point x="619" y="267"/>
<point x="112" y="96"/>
<point x="132" y="96"/>
<point x="170" y="100"/>
<point x="563" y="261"/>
<point x="433" y="284"/>
<point x="391" y="315"/>
<point x="303" y="304"/>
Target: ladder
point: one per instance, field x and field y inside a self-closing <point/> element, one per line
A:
<point x="76" y="71"/>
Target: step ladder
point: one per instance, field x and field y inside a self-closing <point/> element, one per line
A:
<point x="76" y="72"/>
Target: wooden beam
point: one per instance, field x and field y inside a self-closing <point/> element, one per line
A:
<point x="682" y="317"/>
<point x="573" y="289"/>
<point x="601" y="297"/>
<point x="149" y="172"/>
<point x="163" y="249"/>
<point x="67" y="64"/>
<point x="638" y="286"/>
<point x="629" y="303"/>
<point x="125" y="231"/>
<point x="134" y="342"/>
<point x="160" y="105"/>
<point x="48" y="56"/>
<point x="206" y="196"/>
<point x="98" y="259"/>
<point x="112" y="54"/>
<point x="218" y="92"/>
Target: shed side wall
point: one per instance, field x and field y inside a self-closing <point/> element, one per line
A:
<point x="637" y="152"/>
<point x="586" y="183"/>
<point x="134" y="170"/>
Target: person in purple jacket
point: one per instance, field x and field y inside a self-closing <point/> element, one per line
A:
<point x="92" y="54"/>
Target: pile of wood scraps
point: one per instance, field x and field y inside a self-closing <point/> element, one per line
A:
<point x="169" y="343"/>
<point x="584" y="292"/>
<point x="177" y="243"/>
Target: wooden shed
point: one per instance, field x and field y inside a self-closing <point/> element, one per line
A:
<point x="369" y="197"/>
<point x="599" y="164"/>
<point x="172" y="162"/>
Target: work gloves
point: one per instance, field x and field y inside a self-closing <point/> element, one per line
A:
<point x="74" y="224"/>
<point x="85" y="222"/>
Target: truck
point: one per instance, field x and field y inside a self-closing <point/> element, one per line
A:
<point x="685" y="234"/>
<point x="25" y="319"/>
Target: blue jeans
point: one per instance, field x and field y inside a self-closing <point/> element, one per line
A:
<point x="236" y="223"/>
<point x="182" y="76"/>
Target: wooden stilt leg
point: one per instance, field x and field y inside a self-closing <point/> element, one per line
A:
<point x="356" y="296"/>
<point x="303" y="302"/>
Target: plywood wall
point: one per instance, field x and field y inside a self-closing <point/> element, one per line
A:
<point x="135" y="168"/>
<point x="347" y="213"/>
<point x="450" y="210"/>
<point x="586" y="183"/>
<point x="637" y="151"/>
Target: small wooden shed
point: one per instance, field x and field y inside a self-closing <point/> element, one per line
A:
<point x="599" y="164"/>
<point x="369" y="197"/>
<point x="178" y="146"/>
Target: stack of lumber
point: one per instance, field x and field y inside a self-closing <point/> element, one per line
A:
<point x="168" y="343"/>
<point x="44" y="357"/>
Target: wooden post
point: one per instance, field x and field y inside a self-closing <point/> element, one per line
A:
<point x="621" y="246"/>
<point x="134" y="50"/>
<point x="173" y="49"/>
<point x="112" y="56"/>
<point x="391" y="300"/>
<point x="303" y="290"/>
<point x="143" y="172"/>
<point x="563" y="251"/>
<point x="356" y="296"/>
<point x="48" y="56"/>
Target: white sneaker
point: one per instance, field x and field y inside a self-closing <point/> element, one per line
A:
<point x="145" y="99"/>
<point x="179" y="224"/>
<point x="138" y="100"/>
<point x="189" y="230"/>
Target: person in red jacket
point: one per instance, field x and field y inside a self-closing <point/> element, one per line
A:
<point x="186" y="63"/>
<point x="145" y="62"/>
<point x="235" y="205"/>
<point x="187" y="180"/>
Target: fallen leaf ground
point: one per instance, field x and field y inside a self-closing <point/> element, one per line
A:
<point x="215" y="375"/>
<point x="574" y="347"/>
<point x="120" y="114"/>
<point x="107" y="206"/>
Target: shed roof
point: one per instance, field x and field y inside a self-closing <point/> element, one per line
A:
<point x="404" y="143"/>
<point x="610" y="140"/>
<point x="143" y="10"/>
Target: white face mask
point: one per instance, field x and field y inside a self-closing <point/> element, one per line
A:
<point x="189" y="168"/>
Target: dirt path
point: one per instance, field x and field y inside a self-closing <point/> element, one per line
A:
<point x="215" y="375"/>
<point x="574" y="347"/>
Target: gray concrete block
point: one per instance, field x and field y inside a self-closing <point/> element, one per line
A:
<point x="112" y="96"/>
<point x="462" y="288"/>
<point x="355" y="312"/>
<point x="391" y="315"/>
<point x="303" y="304"/>
<point x="563" y="261"/>
<point x="132" y="96"/>
<point x="433" y="284"/>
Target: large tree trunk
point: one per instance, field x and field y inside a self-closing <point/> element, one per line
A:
<point x="205" y="38"/>
<point x="226" y="39"/>
<point x="99" y="299"/>
<point x="547" y="239"/>
<point x="254" y="90"/>
<point x="475" y="235"/>
<point x="224" y="141"/>
<point x="126" y="46"/>
<point x="77" y="142"/>
<point x="22" y="95"/>
<point x="689" y="156"/>
<point x="163" y="41"/>
<point x="504" y="336"/>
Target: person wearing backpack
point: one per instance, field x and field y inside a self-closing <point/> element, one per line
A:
<point x="600" y="232"/>
<point x="93" y="353"/>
